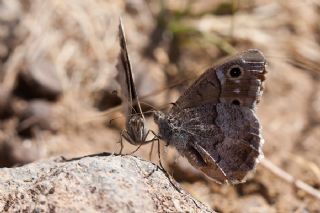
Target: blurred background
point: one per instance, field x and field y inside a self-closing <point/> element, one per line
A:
<point x="57" y="90"/>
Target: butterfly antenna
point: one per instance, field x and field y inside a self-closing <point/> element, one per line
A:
<point x="132" y="107"/>
<point x="151" y="106"/>
<point x="149" y="111"/>
<point x="107" y="112"/>
<point x="101" y="115"/>
<point x="113" y="119"/>
<point x="165" y="106"/>
<point x="146" y="112"/>
<point x="172" y="85"/>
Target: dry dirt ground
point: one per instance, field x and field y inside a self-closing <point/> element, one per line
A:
<point x="57" y="91"/>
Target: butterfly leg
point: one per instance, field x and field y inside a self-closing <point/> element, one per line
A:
<point x="151" y="150"/>
<point x="157" y="167"/>
<point x="155" y="136"/>
<point x="163" y="169"/>
<point x="122" y="133"/>
<point x="159" y="154"/>
<point x="157" y="139"/>
<point x="145" y="141"/>
<point x="131" y="153"/>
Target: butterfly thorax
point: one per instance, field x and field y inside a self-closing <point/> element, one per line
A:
<point x="173" y="129"/>
<point x="165" y="124"/>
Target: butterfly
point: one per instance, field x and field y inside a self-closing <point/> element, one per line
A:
<point x="213" y="123"/>
<point x="135" y="132"/>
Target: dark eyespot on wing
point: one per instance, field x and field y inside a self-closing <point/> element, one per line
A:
<point x="236" y="102"/>
<point x="235" y="71"/>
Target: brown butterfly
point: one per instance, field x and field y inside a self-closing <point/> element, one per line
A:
<point x="213" y="124"/>
<point x="135" y="132"/>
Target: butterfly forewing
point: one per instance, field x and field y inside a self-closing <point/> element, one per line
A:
<point x="135" y="130"/>
<point x="125" y="78"/>
<point x="218" y="85"/>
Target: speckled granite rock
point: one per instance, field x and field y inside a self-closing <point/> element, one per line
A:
<point x="100" y="183"/>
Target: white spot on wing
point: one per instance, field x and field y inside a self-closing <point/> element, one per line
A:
<point x="236" y="91"/>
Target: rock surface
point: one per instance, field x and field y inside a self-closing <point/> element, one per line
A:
<point x="97" y="183"/>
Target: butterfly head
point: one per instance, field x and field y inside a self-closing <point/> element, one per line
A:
<point x="135" y="129"/>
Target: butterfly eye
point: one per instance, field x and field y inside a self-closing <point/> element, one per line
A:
<point x="235" y="72"/>
<point x="236" y="102"/>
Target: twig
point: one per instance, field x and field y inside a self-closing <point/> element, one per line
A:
<point x="290" y="179"/>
